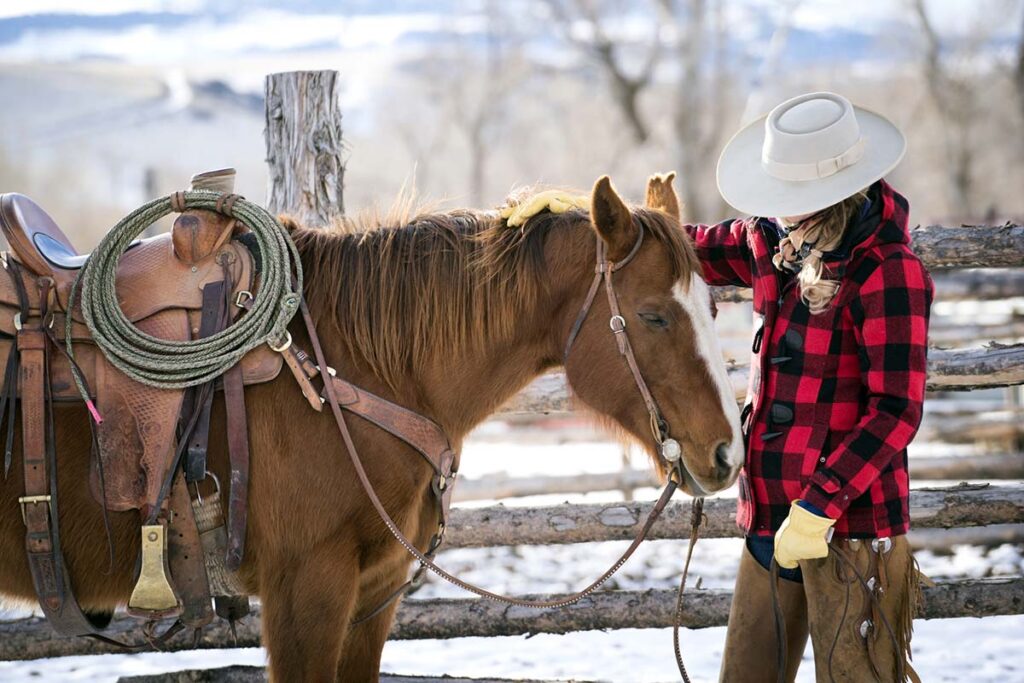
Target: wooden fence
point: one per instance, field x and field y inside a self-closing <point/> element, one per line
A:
<point x="966" y="506"/>
<point x="961" y="506"/>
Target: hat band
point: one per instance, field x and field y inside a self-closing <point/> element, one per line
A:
<point x="815" y="169"/>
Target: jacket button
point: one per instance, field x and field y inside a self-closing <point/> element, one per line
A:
<point x="758" y="336"/>
<point x="821" y="459"/>
<point x="790" y="344"/>
<point x="781" y="414"/>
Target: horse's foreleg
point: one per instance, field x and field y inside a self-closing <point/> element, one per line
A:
<point x="360" y="657"/>
<point x="308" y="602"/>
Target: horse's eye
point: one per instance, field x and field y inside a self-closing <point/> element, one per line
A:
<point x="654" y="320"/>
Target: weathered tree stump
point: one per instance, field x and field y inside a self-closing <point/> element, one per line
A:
<point x="304" y="146"/>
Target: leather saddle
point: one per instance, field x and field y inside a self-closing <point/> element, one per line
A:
<point x="151" y="443"/>
<point x="160" y="284"/>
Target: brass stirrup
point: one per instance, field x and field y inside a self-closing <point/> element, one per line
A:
<point x="153" y="596"/>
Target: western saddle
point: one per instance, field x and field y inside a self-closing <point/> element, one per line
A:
<point x="150" y="443"/>
<point x="178" y="286"/>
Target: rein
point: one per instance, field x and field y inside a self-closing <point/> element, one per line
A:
<point x="604" y="270"/>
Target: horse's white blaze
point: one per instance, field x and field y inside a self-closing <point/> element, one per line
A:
<point x="696" y="301"/>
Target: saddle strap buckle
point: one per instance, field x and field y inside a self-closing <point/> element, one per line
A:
<point x="23" y="501"/>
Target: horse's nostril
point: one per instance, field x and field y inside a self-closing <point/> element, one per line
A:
<point x="722" y="460"/>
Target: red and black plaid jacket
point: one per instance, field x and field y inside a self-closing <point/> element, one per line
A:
<point x="834" y="398"/>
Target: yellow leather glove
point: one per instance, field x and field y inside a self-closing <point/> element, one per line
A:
<point x="802" y="536"/>
<point x="555" y="201"/>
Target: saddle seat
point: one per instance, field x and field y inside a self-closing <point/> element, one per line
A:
<point x="161" y="293"/>
<point x="35" y="238"/>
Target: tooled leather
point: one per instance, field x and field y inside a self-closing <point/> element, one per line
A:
<point x="258" y="366"/>
<point x="418" y="431"/>
<point x="197" y="234"/>
<point x="150" y="278"/>
<point x="137" y="434"/>
<point x="157" y="294"/>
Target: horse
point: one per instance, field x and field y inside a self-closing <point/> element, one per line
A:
<point x="448" y="314"/>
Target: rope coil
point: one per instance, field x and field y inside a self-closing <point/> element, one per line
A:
<point x="169" y="364"/>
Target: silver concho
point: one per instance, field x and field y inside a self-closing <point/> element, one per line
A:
<point x="671" y="450"/>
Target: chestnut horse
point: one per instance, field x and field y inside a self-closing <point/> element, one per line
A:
<point x="450" y="315"/>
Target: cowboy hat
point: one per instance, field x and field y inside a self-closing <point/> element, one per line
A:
<point x="808" y="153"/>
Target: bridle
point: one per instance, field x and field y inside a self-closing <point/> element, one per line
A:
<point x="668" y="447"/>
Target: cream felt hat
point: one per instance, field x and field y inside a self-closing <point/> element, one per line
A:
<point x="807" y="154"/>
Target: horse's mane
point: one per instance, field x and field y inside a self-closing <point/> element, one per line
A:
<point x="403" y="288"/>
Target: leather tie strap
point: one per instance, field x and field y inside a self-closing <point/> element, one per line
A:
<point x="238" y="455"/>
<point x="178" y="202"/>
<point x="39" y="464"/>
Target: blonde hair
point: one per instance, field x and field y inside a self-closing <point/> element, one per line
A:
<point x="804" y="247"/>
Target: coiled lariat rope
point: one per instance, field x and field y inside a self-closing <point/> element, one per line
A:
<point x="178" y="364"/>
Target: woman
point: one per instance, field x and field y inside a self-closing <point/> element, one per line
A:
<point x="837" y="381"/>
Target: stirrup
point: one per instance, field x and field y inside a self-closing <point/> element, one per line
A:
<point x="153" y="596"/>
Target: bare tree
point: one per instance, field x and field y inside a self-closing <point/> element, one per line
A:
<point x="699" y="107"/>
<point x="695" y="72"/>
<point x="1018" y="74"/>
<point x="481" y="102"/>
<point x="955" y="100"/>
<point x="625" y="88"/>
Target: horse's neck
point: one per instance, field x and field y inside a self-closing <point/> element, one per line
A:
<point x="460" y="390"/>
<point x="464" y="391"/>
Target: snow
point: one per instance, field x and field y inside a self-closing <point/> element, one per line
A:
<point x="987" y="650"/>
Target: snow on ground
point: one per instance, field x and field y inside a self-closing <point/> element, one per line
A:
<point x="986" y="650"/>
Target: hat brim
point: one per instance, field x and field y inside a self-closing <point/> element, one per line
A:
<point x="746" y="186"/>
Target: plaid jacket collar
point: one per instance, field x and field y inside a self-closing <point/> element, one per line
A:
<point x="884" y="220"/>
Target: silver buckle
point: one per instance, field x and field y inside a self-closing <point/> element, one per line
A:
<point x="283" y="346"/>
<point x="865" y="628"/>
<point x="242" y="298"/>
<point x="330" y="371"/>
<point x="30" y="500"/>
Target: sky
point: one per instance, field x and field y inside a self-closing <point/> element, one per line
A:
<point x="808" y="14"/>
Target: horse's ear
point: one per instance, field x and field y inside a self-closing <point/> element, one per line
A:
<point x="612" y="219"/>
<point x="662" y="196"/>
